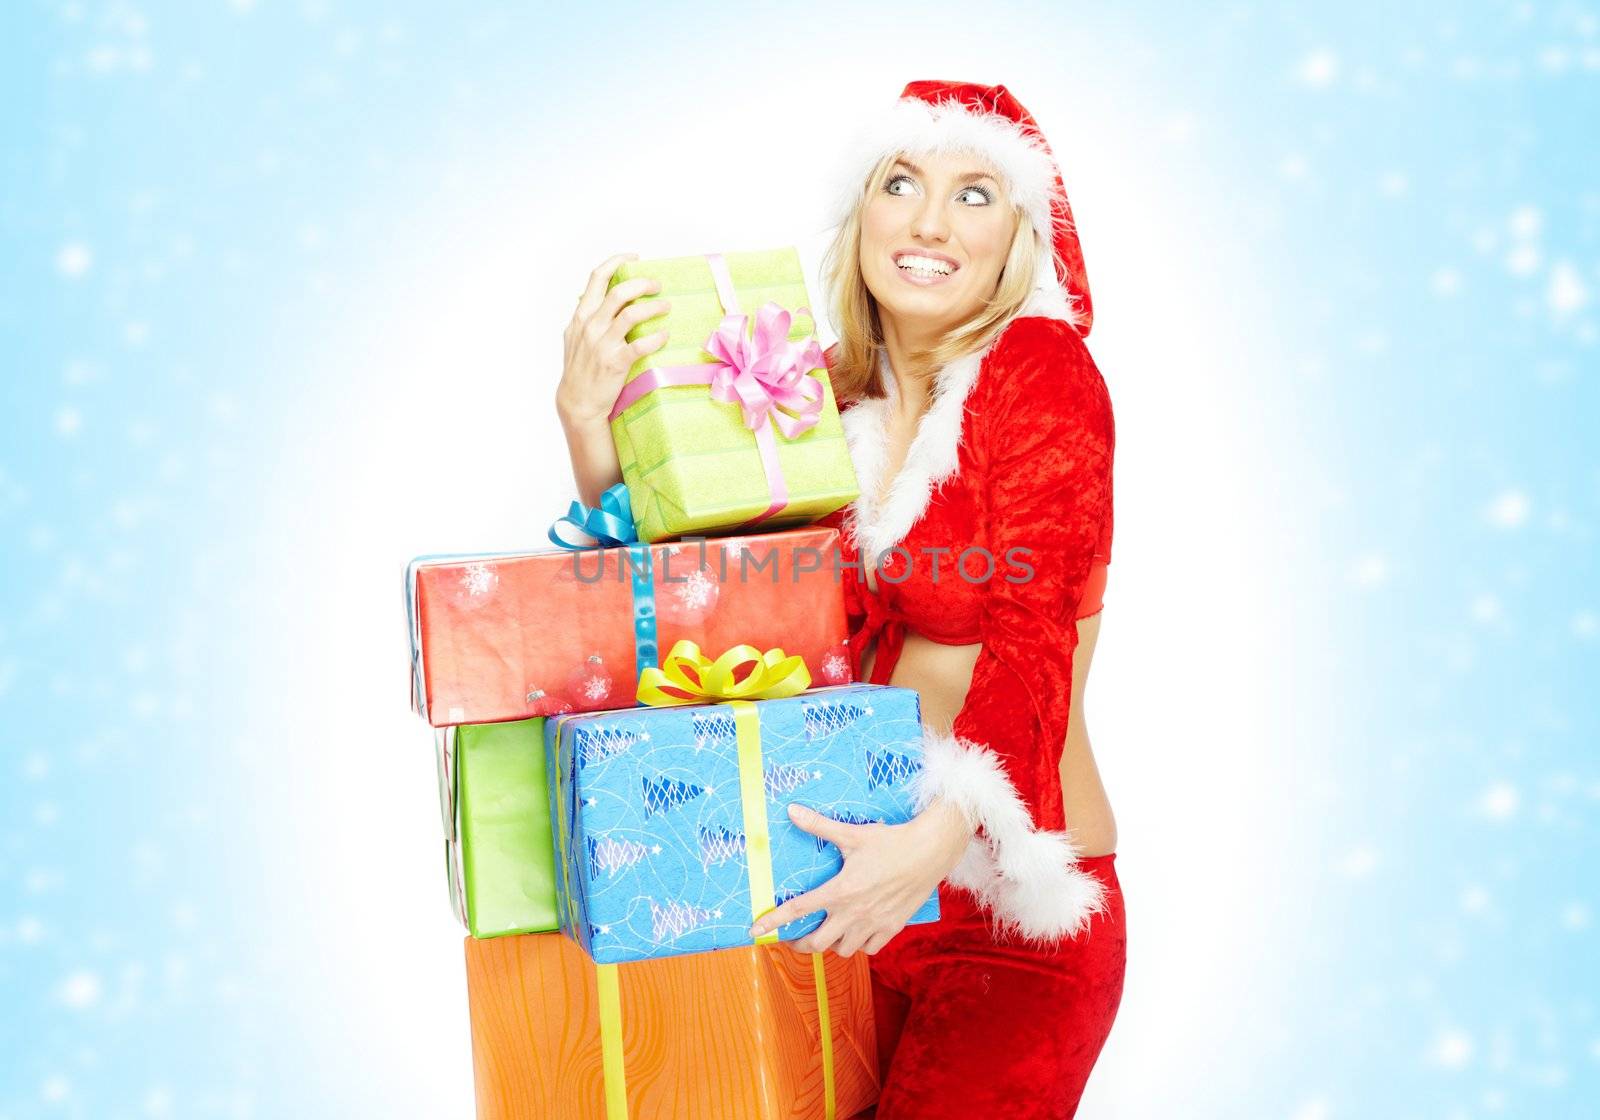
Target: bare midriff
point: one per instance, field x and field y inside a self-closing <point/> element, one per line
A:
<point x="941" y="674"/>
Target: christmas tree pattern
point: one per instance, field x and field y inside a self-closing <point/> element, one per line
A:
<point x="718" y="845"/>
<point x="612" y="856"/>
<point x="661" y="794"/>
<point x="781" y="777"/>
<point x="828" y="718"/>
<point x="714" y="728"/>
<point x="677" y="918"/>
<point x="844" y="818"/>
<point x="888" y="769"/>
<point x="600" y="743"/>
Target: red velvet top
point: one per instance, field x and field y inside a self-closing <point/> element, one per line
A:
<point x="1026" y="515"/>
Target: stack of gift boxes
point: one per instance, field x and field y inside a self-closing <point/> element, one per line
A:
<point x="622" y="720"/>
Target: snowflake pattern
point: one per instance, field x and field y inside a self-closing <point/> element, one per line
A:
<point x="697" y="591"/>
<point x="835" y="668"/>
<point x="479" y="578"/>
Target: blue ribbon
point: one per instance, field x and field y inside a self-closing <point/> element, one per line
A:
<point x="645" y="654"/>
<point x="608" y="524"/>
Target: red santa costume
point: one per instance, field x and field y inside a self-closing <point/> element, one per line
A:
<point x="996" y="530"/>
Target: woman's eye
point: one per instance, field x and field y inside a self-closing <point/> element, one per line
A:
<point x="983" y="196"/>
<point x="892" y="183"/>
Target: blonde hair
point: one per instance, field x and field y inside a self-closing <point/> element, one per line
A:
<point x="855" y="373"/>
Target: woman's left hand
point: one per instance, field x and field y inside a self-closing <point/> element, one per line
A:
<point x="889" y="872"/>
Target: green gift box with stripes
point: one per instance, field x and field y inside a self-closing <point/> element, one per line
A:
<point x="731" y="425"/>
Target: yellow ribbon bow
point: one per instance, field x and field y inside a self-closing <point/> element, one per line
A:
<point x="688" y="676"/>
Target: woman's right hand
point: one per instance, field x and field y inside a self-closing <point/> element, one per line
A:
<point x="598" y="355"/>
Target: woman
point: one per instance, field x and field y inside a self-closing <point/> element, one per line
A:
<point x="982" y="436"/>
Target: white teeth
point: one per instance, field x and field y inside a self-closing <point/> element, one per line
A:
<point x="924" y="265"/>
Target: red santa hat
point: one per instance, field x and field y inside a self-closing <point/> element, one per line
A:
<point x="988" y="122"/>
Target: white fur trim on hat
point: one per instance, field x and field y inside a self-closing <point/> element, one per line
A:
<point x="912" y="125"/>
<point x="1028" y="878"/>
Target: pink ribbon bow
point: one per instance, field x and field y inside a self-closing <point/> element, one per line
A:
<point x="766" y="374"/>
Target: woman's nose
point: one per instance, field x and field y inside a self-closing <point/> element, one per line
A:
<point x="931" y="222"/>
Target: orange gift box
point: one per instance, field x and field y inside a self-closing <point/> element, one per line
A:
<point x="516" y="635"/>
<point x="736" y="1034"/>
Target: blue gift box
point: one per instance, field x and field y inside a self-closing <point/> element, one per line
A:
<point x="648" y="812"/>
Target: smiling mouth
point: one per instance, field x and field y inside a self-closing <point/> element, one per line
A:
<point x="923" y="267"/>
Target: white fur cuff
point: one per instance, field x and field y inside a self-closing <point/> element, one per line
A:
<point x="1028" y="878"/>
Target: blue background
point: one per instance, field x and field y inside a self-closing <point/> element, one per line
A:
<point x="281" y="292"/>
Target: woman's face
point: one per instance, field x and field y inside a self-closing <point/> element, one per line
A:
<point x="934" y="240"/>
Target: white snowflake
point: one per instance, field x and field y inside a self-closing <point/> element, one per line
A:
<point x="1523" y="260"/>
<point x="1446" y="282"/>
<point x="478" y="579"/>
<point x="1499" y="802"/>
<point x="1509" y="510"/>
<point x="80" y="990"/>
<point x="1452" y="1050"/>
<point x="74" y="260"/>
<point x="697" y="591"/>
<point x="1526" y="221"/>
<point x="1370" y="570"/>
<point x="1566" y="292"/>
<point x="835" y="667"/>
<point x="1319" y="68"/>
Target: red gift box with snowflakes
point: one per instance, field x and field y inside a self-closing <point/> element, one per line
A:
<point x="515" y="635"/>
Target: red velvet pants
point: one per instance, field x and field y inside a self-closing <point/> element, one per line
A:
<point x="971" y="1027"/>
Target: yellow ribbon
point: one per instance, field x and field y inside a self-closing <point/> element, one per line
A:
<point x="616" y="1081"/>
<point x="606" y="980"/>
<point x="688" y="676"/>
<point x="820" y="971"/>
<point x="616" y="1085"/>
<point x="753" y="805"/>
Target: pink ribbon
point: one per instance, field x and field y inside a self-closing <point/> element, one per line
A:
<point x="767" y="375"/>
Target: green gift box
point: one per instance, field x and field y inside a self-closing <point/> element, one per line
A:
<point x="691" y="459"/>
<point x="502" y="860"/>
